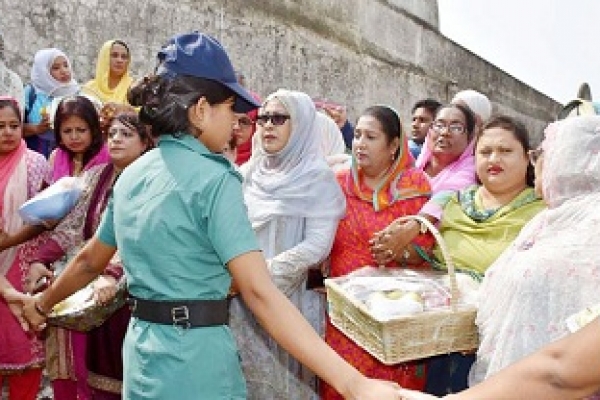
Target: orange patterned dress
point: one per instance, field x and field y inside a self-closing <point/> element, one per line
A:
<point x="367" y="213"/>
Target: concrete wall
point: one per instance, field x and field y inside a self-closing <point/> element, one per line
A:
<point x="357" y="52"/>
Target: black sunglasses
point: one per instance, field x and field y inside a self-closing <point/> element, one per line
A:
<point x="276" y="119"/>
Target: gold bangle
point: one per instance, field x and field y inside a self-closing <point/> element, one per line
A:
<point x="39" y="309"/>
<point x="422" y="227"/>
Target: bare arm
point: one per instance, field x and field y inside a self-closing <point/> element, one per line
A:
<point x="15" y="301"/>
<point x="287" y="326"/>
<point x="568" y="369"/>
<point x="24" y="234"/>
<point x="87" y="265"/>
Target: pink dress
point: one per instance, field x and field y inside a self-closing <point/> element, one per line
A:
<point x="20" y="350"/>
<point x="67" y="349"/>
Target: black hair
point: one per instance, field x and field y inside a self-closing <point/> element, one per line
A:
<point x="520" y="133"/>
<point x="122" y="43"/>
<point x="129" y="117"/>
<point x="165" y="101"/>
<point x="468" y="114"/>
<point x="14" y="105"/>
<point x="83" y="108"/>
<point x="430" y="105"/>
<point x="390" y="123"/>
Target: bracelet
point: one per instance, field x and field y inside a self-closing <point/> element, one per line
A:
<point x="422" y="227"/>
<point x="39" y="310"/>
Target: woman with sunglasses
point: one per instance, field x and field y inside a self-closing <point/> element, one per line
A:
<point x="294" y="205"/>
<point x="178" y="218"/>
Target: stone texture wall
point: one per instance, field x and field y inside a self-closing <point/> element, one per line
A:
<point x="357" y="52"/>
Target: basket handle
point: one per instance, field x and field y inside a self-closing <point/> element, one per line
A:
<point x="454" y="293"/>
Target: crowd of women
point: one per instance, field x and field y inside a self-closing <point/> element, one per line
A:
<point x="219" y="212"/>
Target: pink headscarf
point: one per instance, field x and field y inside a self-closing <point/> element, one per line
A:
<point x="13" y="193"/>
<point x="63" y="165"/>
<point x="457" y="175"/>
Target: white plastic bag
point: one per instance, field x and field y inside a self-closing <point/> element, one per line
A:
<point x="52" y="203"/>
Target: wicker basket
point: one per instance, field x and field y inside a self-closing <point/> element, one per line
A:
<point x="409" y="337"/>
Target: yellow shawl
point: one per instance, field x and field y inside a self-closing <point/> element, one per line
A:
<point x="98" y="86"/>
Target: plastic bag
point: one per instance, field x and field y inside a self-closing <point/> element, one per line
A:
<point x="389" y="293"/>
<point x="52" y="203"/>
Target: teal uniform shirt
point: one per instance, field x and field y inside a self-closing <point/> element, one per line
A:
<point x="177" y="216"/>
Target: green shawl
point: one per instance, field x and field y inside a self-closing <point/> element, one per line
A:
<point x="476" y="237"/>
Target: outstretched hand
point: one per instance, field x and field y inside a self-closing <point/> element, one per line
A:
<point x="406" y="394"/>
<point x="105" y="289"/>
<point x="374" y="389"/>
<point x="34" y="318"/>
<point x="16" y="301"/>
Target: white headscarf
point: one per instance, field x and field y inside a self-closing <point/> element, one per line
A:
<point x="332" y="142"/>
<point x="477" y="102"/>
<point x="296" y="181"/>
<point x="552" y="269"/>
<point x="43" y="81"/>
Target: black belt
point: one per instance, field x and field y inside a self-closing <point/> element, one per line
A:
<point x="181" y="313"/>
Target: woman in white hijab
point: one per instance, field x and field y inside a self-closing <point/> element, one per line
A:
<point x="51" y="78"/>
<point x="294" y="205"/>
<point x="332" y="142"/>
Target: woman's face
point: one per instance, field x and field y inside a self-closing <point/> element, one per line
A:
<point x="242" y="128"/>
<point x="124" y="144"/>
<point x="10" y="130"/>
<point x="274" y="126"/>
<point x="370" y="146"/>
<point x="119" y="59"/>
<point x="216" y="125"/>
<point x="75" y="134"/>
<point x="501" y="161"/>
<point x="60" y="70"/>
<point x="448" y="134"/>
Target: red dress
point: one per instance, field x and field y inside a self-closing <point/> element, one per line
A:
<point x="351" y="251"/>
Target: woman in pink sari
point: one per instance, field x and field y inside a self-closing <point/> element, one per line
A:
<point x="103" y="370"/>
<point x="21" y="176"/>
<point x="81" y="144"/>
